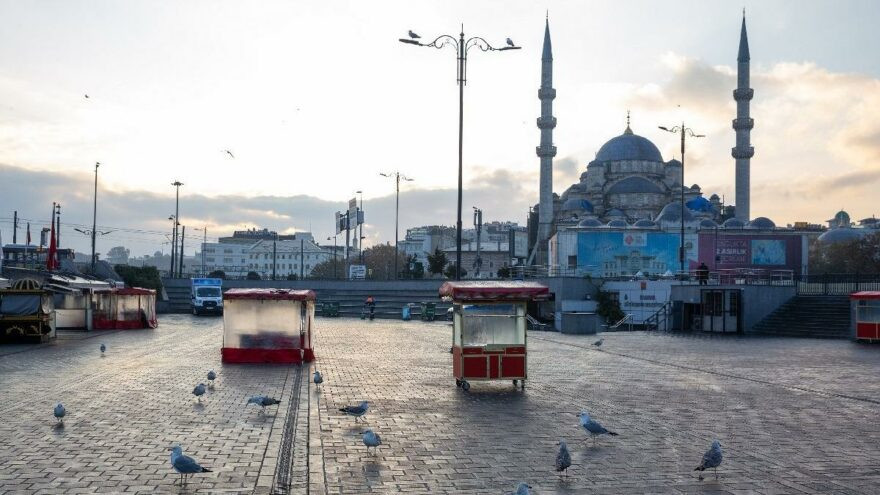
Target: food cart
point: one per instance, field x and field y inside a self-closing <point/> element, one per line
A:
<point x="268" y="326"/>
<point x="26" y="314"/>
<point x="866" y="316"/>
<point x="489" y="329"/>
<point x="124" y="308"/>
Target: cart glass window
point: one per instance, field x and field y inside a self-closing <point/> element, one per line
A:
<point x="492" y="324"/>
<point x="868" y="312"/>
<point x="262" y="324"/>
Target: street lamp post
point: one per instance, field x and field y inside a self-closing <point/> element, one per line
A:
<point x="334" y="255"/>
<point x="176" y="185"/>
<point x="358" y="220"/>
<point x="397" y="176"/>
<point x="95" y="217"/>
<point x="461" y="49"/>
<point x="684" y="131"/>
<point x="173" y="219"/>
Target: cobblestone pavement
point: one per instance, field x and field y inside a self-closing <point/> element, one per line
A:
<point x="792" y="415"/>
<point x="125" y="410"/>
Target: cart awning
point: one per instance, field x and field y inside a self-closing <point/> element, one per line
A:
<point x="496" y="290"/>
<point x="270" y="294"/>
<point x="127" y="291"/>
<point x="867" y="294"/>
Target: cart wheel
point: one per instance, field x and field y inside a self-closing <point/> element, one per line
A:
<point x="522" y="385"/>
<point x="465" y="386"/>
<point x="515" y="384"/>
<point x="457" y="382"/>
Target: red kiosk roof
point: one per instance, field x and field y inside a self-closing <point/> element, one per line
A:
<point x="867" y="294"/>
<point x="271" y="294"/>
<point x="127" y="291"/>
<point x="497" y="290"/>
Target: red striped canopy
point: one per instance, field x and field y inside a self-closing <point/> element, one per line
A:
<point x="495" y="290"/>
<point x="271" y="294"/>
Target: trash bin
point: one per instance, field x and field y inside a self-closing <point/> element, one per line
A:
<point x="428" y="311"/>
<point x="406" y="313"/>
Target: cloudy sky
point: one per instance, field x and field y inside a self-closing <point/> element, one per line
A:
<point x="315" y="98"/>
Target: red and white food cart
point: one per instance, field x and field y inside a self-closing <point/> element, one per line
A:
<point x="268" y="326"/>
<point x="124" y="308"/>
<point x="866" y="315"/>
<point x="489" y="329"/>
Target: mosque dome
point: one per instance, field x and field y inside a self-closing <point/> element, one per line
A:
<point x="841" y="219"/>
<point x="707" y="223"/>
<point x="645" y="224"/>
<point x="733" y="223"/>
<point x="840" y="234"/>
<point x="762" y="223"/>
<point x="573" y="204"/>
<point x="634" y="184"/>
<point x="615" y="213"/>
<point x="590" y="222"/>
<point x="628" y="146"/>
<point x="618" y="223"/>
<point x="672" y="212"/>
<point x="699" y="204"/>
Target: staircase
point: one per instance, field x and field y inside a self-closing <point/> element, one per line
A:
<point x="809" y="316"/>
<point x="179" y="299"/>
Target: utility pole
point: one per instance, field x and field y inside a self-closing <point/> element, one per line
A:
<point x="58" y="227"/>
<point x="274" y="253"/>
<point x="177" y="185"/>
<point x="478" y="226"/>
<point x="182" y="235"/>
<point x="397" y="176"/>
<point x="15" y="227"/>
<point x="347" y="233"/>
<point x="301" y="258"/>
<point x="361" y="222"/>
<point x="204" y="243"/>
<point x="95" y="218"/>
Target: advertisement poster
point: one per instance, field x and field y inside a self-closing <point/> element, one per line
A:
<point x="622" y="254"/>
<point x="754" y="251"/>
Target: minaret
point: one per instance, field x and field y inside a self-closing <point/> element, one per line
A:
<point x="546" y="151"/>
<point x="742" y="124"/>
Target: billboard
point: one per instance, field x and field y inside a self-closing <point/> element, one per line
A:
<point x="621" y="254"/>
<point x="518" y="242"/>
<point x="756" y="251"/>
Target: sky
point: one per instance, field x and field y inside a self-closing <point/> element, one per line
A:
<point x="315" y="98"/>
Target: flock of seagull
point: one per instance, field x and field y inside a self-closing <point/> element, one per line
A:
<point x="186" y="466"/>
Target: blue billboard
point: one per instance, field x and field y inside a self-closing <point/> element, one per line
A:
<point x="621" y="254"/>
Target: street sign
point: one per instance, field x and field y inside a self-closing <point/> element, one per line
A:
<point x="358" y="272"/>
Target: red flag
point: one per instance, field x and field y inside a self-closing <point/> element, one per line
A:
<point x="52" y="255"/>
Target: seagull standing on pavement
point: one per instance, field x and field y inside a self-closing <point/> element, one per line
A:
<point x="413" y="35"/>
<point x="263" y="401"/>
<point x="199" y="391"/>
<point x="317" y="378"/>
<point x="356" y="411"/>
<point x="522" y="489"/>
<point x="371" y="439"/>
<point x="103" y="348"/>
<point x="563" y="458"/>
<point x="211" y="377"/>
<point x="593" y="427"/>
<point x="60" y="412"/>
<point x="185" y="465"/>
<point x="598" y="343"/>
<point x="711" y="459"/>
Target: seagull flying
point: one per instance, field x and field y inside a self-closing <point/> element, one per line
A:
<point x="60" y="412"/>
<point x="229" y="153"/>
<point x="598" y="343"/>
<point x="711" y="459"/>
<point x="356" y="411"/>
<point x="103" y="348"/>
<point x="185" y="465"/>
<point x="199" y="391"/>
<point x="317" y="378"/>
<point x="593" y="427"/>
<point x="509" y="42"/>
<point x="212" y="376"/>
<point x="563" y="458"/>
<point x="413" y="35"/>
<point x="263" y="401"/>
<point x="371" y="439"/>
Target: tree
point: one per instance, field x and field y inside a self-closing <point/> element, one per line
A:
<point x="330" y="269"/>
<point x="504" y="272"/>
<point x="292" y="276"/>
<point x="217" y="274"/>
<point x="855" y="256"/>
<point x="608" y="307"/>
<point x="136" y="276"/>
<point x="118" y="254"/>
<point x="253" y="276"/>
<point x="380" y="259"/>
<point x="450" y="271"/>
<point x="413" y="269"/>
<point x="437" y="262"/>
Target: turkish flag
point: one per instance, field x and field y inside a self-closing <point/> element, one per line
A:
<point x="52" y="255"/>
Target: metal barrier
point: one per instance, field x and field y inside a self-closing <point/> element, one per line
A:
<point x="660" y="319"/>
<point x="837" y="284"/>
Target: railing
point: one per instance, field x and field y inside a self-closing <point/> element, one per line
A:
<point x="626" y="319"/>
<point x="837" y="284"/>
<point x="660" y="319"/>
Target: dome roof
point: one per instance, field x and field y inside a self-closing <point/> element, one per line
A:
<point x="628" y="146"/>
<point x="733" y="223"/>
<point x="708" y="224"/>
<point x="841" y="218"/>
<point x="618" y="223"/>
<point x="763" y="223"/>
<point x="573" y="204"/>
<point x="590" y="222"/>
<point x="645" y="224"/>
<point x="699" y="204"/>
<point x="614" y="212"/>
<point x="840" y="234"/>
<point x="634" y="184"/>
<point x="672" y="212"/>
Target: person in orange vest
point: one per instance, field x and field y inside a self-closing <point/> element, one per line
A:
<point x="371" y="305"/>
